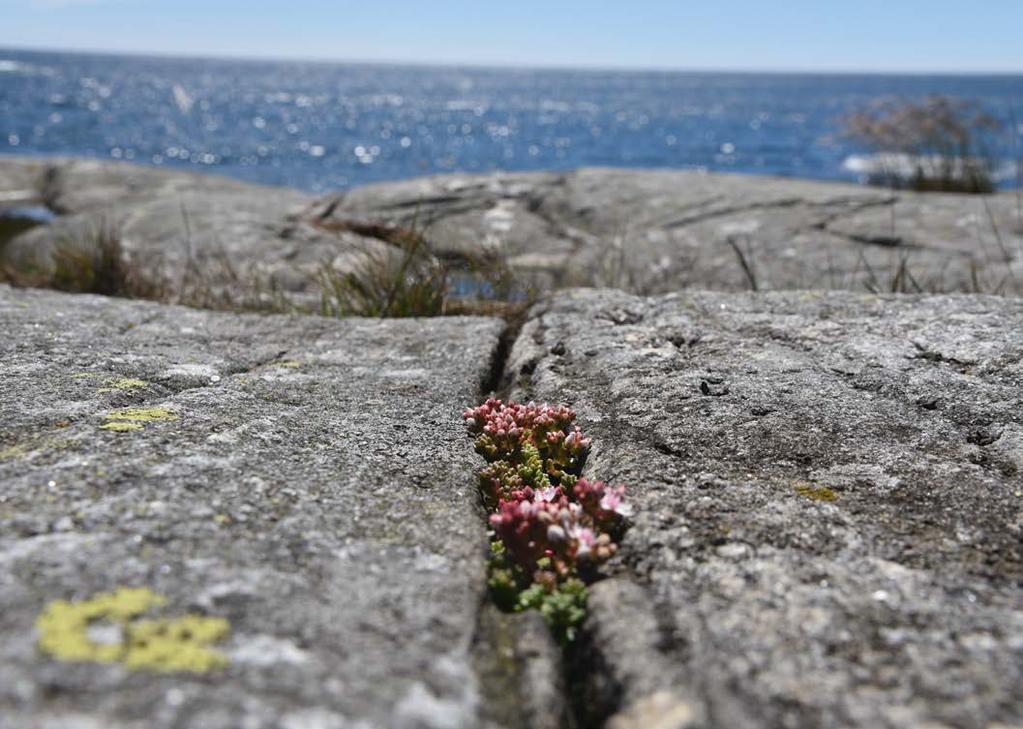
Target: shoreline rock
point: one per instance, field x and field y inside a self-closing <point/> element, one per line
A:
<point x="643" y="231"/>
<point x="829" y="506"/>
<point x="340" y="543"/>
<point x="827" y="484"/>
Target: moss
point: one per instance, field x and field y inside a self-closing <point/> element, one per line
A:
<point x="125" y="383"/>
<point x="157" y="644"/>
<point x="118" y="427"/>
<point x="816" y="493"/>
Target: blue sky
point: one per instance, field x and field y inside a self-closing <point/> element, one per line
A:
<point x="808" y="35"/>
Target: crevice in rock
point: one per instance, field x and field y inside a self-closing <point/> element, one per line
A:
<point x="852" y="207"/>
<point x="883" y="241"/>
<point x="528" y="678"/>
<point x="519" y="667"/>
<point x="937" y="357"/>
<point x="498" y="379"/>
<point x="788" y="202"/>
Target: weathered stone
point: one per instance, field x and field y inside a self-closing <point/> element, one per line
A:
<point x="176" y="224"/>
<point x="20" y="181"/>
<point x="644" y="231"/>
<point x="74" y="185"/>
<point x="829" y="505"/>
<point x="307" y="480"/>
<point x="653" y="231"/>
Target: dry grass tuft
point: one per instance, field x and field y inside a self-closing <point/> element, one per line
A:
<point x="937" y="145"/>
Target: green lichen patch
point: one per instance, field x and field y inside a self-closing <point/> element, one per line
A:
<point x="291" y="364"/>
<point x="123" y="384"/>
<point x="816" y="493"/>
<point x="177" y="644"/>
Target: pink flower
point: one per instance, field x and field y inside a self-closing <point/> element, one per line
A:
<point x="549" y="521"/>
<point x="605" y="504"/>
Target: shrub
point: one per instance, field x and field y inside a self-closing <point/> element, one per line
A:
<point x="938" y="144"/>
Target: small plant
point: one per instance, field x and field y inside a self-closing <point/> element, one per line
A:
<point x="408" y="279"/>
<point x="94" y="263"/>
<point x="937" y="145"/>
<point x="413" y="283"/>
<point x="551" y="528"/>
<point x="98" y="264"/>
<point x="213" y="281"/>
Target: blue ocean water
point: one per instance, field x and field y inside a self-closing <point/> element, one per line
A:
<point x="320" y="126"/>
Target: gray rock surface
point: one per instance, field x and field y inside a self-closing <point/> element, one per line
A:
<point x="640" y="230"/>
<point x="659" y="231"/>
<point x="306" y="479"/>
<point x="829" y="504"/>
<point x="171" y="222"/>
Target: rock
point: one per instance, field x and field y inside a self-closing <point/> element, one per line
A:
<point x="71" y="185"/>
<point x="297" y="490"/>
<point x="175" y="224"/>
<point x="639" y="230"/>
<point x="837" y="540"/>
<point x="21" y="180"/>
<point x="659" y="231"/>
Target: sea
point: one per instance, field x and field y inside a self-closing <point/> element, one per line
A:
<point x="330" y="126"/>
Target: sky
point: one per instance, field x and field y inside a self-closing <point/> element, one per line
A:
<point x="758" y="35"/>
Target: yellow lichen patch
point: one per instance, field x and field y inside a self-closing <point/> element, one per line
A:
<point x="63" y="626"/>
<point x="119" y="427"/>
<point x="816" y="493"/>
<point x="150" y="644"/>
<point x="290" y="364"/>
<point x="132" y="418"/>
<point x="125" y="383"/>
<point x="141" y="415"/>
<point x="176" y="644"/>
<point x="11" y="452"/>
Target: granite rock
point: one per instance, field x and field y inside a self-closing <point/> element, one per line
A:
<point x="307" y="480"/>
<point x="659" y="231"/>
<point x="174" y="224"/>
<point x="643" y="231"/>
<point x="828" y="525"/>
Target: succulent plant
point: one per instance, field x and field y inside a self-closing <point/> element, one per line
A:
<point x="550" y="526"/>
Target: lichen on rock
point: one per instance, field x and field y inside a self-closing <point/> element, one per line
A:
<point x="128" y="419"/>
<point x="145" y="644"/>
<point x="119" y="427"/>
<point x="816" y="493"/>
<point x="123" y="384"/>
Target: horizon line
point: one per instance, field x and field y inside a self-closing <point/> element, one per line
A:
<point x="506" y="66"/>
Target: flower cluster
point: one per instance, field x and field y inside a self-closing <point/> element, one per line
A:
<point x="551" y="527"/>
